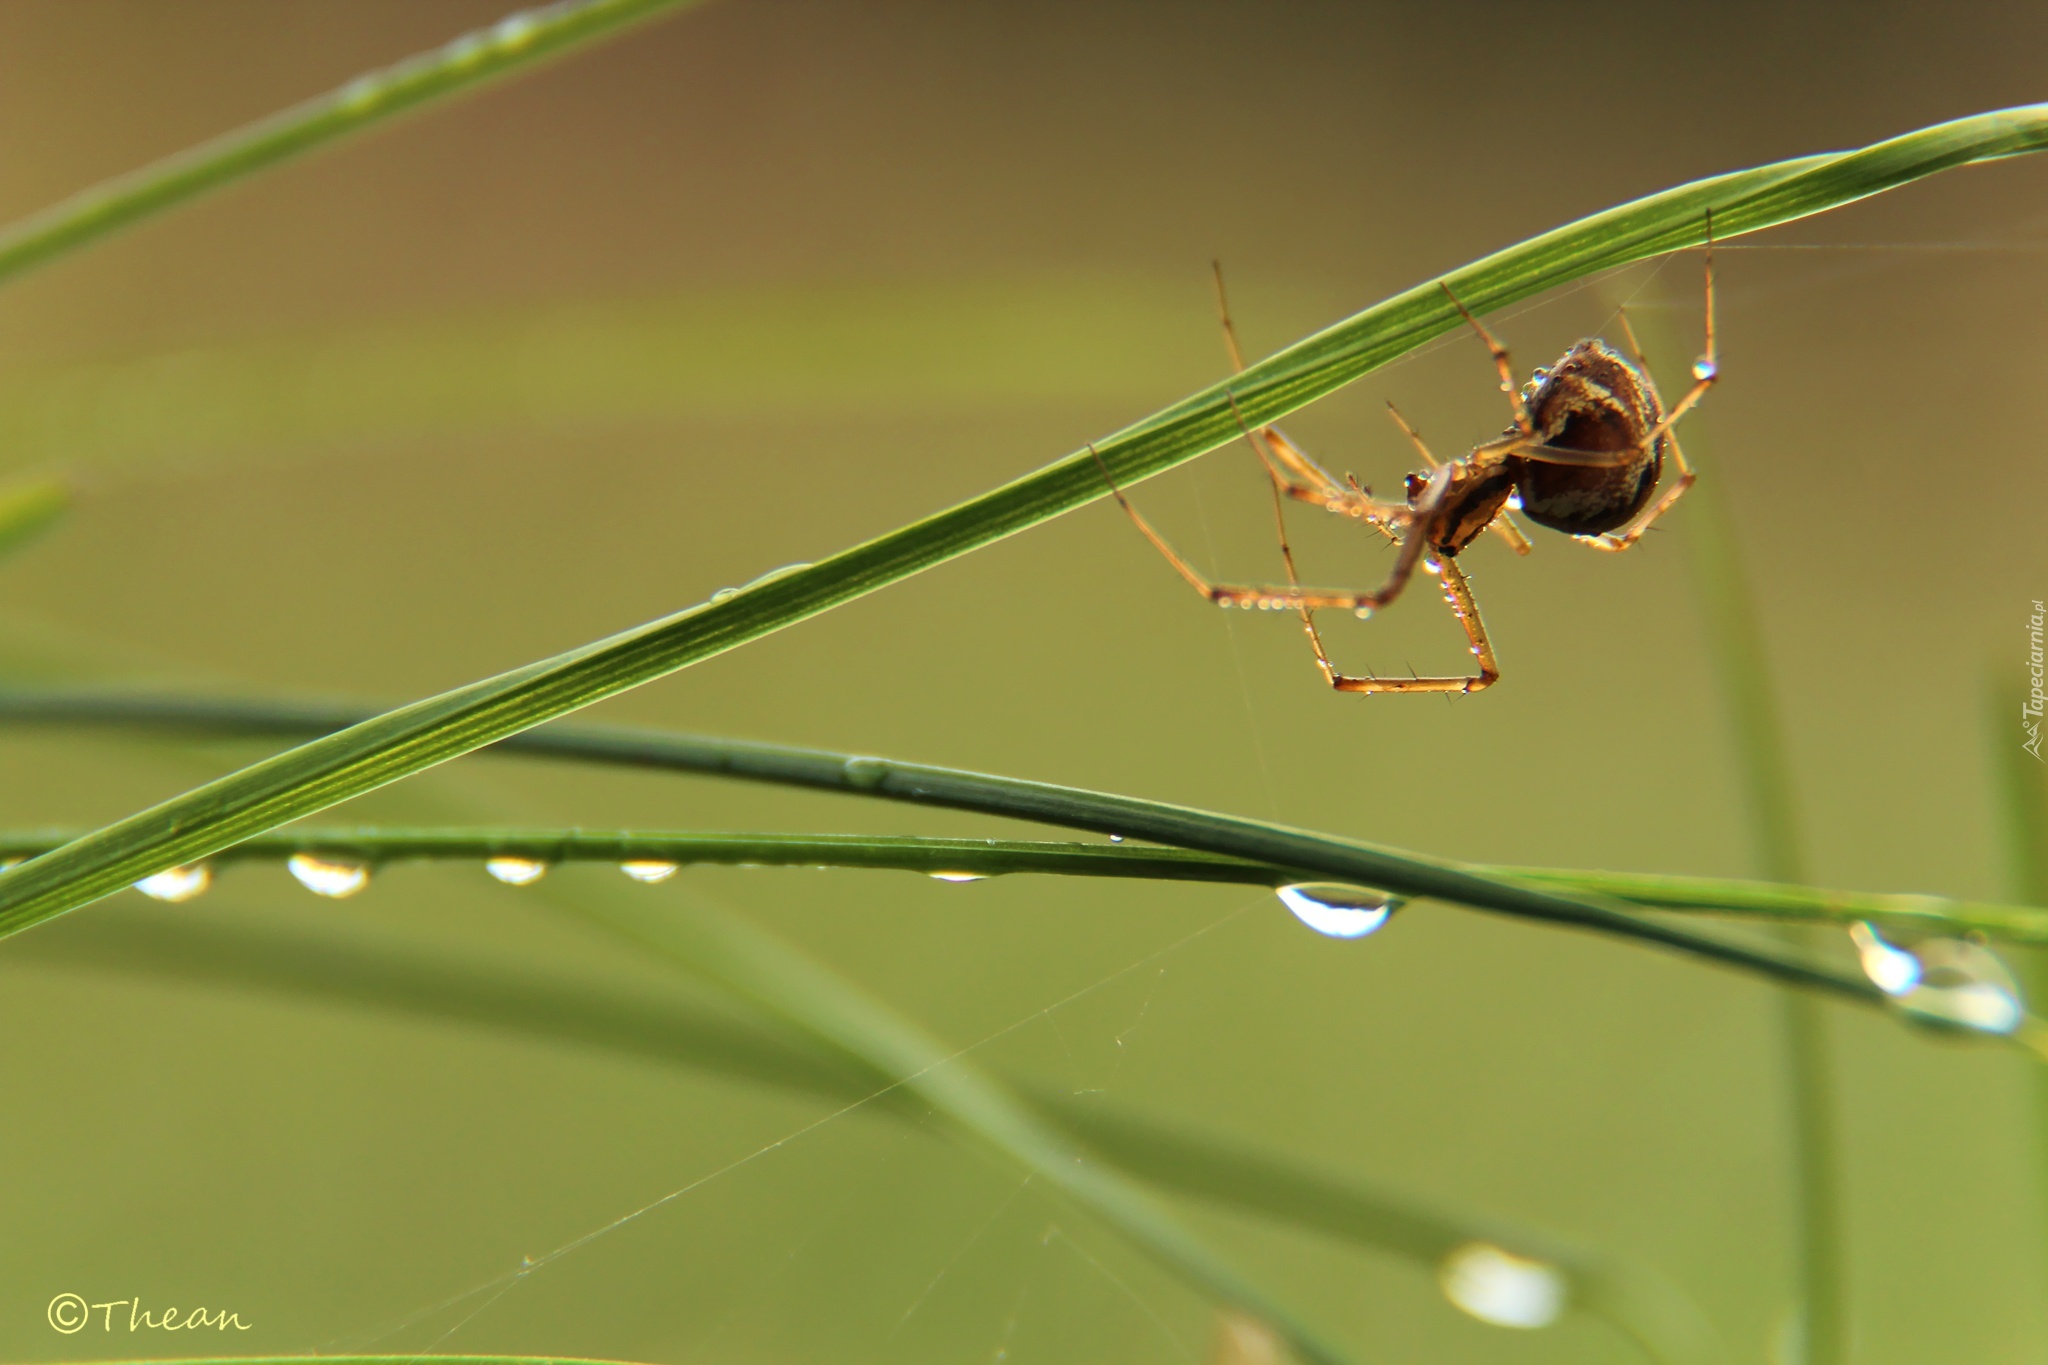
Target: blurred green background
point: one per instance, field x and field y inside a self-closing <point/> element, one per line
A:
<point x="767" y="279"/>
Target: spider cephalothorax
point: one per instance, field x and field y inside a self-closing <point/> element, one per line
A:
<point x="1471" y="500"/>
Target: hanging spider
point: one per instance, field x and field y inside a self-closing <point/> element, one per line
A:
<point x="1583" y="457"/>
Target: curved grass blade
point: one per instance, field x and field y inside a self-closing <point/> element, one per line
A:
<point x="28" y="509"/>
<point x="392" y="746"/>
<point x="302" y="962"/>
<point x="1783" y="902"/>
<point x="2021" y="795"/>
<point x="1735" y="643"/>
<point x="1328" y="856"/>
<point x="415" y="1359"/>
<point x="520" y="40"/>
<point x="379" y="846"/>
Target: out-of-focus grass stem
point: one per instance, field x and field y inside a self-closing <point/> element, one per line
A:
<point x="2022" y="782"/>
<point x="1735" y="642"/>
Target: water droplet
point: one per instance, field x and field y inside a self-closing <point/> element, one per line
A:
<point x="514" y="31"/>
<point x="1964" y="985"/>
<point x="1502" y="1288"/>
<point x="783" y="572"/>
<point x="865" y="773"/>
<point x="359" y="94"/>
<point x="725" y="594"/>
<point x="1337" y="909"/>
<point x="177" y="883"/>
<point x="1116" y="838"/>
<point x="958" y="876"/>
<point x="327" y="876"/>
<point x="649" y="870"/>
<point x="1429" y="564"/>
<point x="1890" y="968"/>
<point x="516" y="871"/>
<point x="1515" y="501"/>
<point x="1704" y="368"/>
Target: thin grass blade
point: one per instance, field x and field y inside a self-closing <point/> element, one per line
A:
<point x="28" y="509"/>
<point x="516" y="42"/>
<point x="402" y="742"/>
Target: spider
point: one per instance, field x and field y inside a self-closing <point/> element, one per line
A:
<point x="1583" y="456"/>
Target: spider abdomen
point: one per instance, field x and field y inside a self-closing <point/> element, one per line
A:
<point x="1594" y="401"/>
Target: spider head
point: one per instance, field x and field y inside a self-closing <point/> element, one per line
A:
<point x="1471" y="499"/>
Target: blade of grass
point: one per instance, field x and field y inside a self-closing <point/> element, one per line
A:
<point x="333" y="769"/>
<point x="2021" y="786"/>
<point x="380" y="846"/>
<point x="28" y="509"/>
<point x="301" y="962"/>
<point x="1327" y="856"/>
<point x="518" y="41"/>
<point x="364" y="1360"/>
<point x="1735" y="644"/>
<point x="844" y="1020"/>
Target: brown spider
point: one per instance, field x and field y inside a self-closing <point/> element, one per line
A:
<point x="1583" y="457"/>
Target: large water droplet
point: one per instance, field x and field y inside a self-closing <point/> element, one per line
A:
<point x="958" y="876"/>
<point x="648" y="870"/>
<point x="327" y="876"/>
<point x="177" y="883"/>
<point x="1704" y="368"/>
<point x="1502" y="1288"/>
<point x="516" y="871"/>
<point x="1964" y="985"/>
<point x="1890" y="968"/>
<point x="1116" y="838"/>
<point x="865" y="773"/>
<point x="1337" y="909"/>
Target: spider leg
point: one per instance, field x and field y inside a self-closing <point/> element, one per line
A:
<point x="1311" y="483"/>
<point x="1458" y="593"/>
<point x="1269" y="598"/>
<point x="1614" y="542"/>
<point x="1500" y="362"/>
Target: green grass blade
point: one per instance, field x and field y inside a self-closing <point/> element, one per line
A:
<point x="361" y="1360"/>
<point x="845" y="1020"/>
<point x="380" y="846"/>
<point x="29" y="509"/>
<point x="518" y="41"/>
<point x="2020" y="782"/>
<point x="301" y="962"/>
<point x="333" y="769"/>
<point x="1735" y="644"/>
<point x="1791" y="903"/>
<point x="1327" y="856"/>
